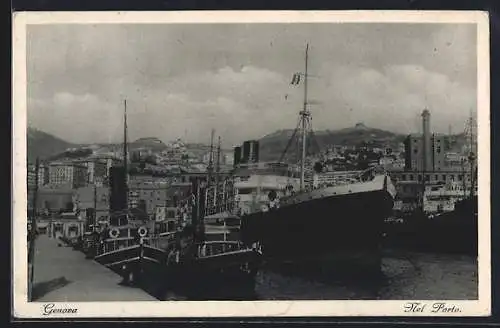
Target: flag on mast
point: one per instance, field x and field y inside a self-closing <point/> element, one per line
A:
<point x="295" y="79"/>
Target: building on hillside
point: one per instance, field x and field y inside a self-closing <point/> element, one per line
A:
<point x="31" y="177"/>
<point x="67" y="173"/>
<point x="97" y="169"/>
<point x="43" y="175"/>
<point x="146" y="178"/>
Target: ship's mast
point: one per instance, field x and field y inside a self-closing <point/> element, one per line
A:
<point x="125" y="150"/>
<point x="94" y="218"/>
<point x="217" y="163"/>
<point x="125" y="156"/>
<point x="217" y="176"/>
<point x="210" y="167"/>
<point x="305" y="116"/>
<point x="472" y="156"/>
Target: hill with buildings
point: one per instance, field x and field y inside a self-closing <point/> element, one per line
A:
<point x="47" y="146"/>
<point x="273" y="145"/>
<point x="44" y="145"/>
<point x="152" y="143"/>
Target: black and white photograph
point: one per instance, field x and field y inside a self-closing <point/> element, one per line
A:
<point x="285" y="163"/>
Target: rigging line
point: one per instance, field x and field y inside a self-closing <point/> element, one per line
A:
<point x="314" y="140"/>
<point x="290" y="141"/>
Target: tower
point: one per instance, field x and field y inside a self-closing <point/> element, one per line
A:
<point x="426" y="141"/>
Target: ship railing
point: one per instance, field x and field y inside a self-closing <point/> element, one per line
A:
<point x="162" y="241"/>
<point x="110" y="245"/>
<point x="211" y="248"/>
<point x="157" y="241"/>
<point x="363" y="176"/>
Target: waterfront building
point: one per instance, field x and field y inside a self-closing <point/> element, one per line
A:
<point x="429" y="165"/>
<point x="147" y="196"/>
<point x="429" y="155"/>
<point x="67" y="225"/>
<point x="431" y="152"/>
<point x="93" y="197"/>
<point x="54" y="199"/>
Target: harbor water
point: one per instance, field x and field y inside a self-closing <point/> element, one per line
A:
<point x="405" y="275"/>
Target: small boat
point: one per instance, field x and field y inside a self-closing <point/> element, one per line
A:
<point x="132" y="250"/>
<point x="209" y="256"/>
<point x="215" y="265"/>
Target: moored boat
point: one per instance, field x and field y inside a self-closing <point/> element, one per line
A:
<point x="323" y="221"/>
<point x="209" y="257"/>
<point x="132" y="250"/>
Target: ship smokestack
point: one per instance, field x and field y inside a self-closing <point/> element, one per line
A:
<point x="426" y="124"/>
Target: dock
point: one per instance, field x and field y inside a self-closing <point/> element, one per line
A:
<point x="62" y="274"/>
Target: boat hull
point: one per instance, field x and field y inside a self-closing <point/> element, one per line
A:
<point x="215" y="276"/>
<point x="134" y="262"/>
<point x="449" y="232"/>
<point x="321" y="227"/>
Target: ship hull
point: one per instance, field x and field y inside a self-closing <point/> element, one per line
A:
<point x="449" y="232"/>
<point x="134" y="262"/>
<point x="321" y="228"/>
<point x="224" y="276"/>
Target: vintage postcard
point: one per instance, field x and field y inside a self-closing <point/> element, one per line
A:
<point x="251" y="164"/>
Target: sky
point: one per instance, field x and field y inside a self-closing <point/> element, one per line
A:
<point x="182" y="80"/>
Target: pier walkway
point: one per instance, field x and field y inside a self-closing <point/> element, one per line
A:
<point x="62" y="274"/>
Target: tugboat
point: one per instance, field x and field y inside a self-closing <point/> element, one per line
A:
<point x="208" y="254"/>
<point x="133" y="250"/>
<point x="129" y="247"/>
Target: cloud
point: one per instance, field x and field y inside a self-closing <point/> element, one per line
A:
<point x="89" y="117"/>
<point x="187" y="79"/>
<point x="395" y="96"/>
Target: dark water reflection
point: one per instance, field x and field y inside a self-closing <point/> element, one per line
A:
<point x="403" y="276"/>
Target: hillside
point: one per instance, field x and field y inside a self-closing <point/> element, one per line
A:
<point x="272" y="145"/>
<point x="152" y="143"/>
<point x="44" y="145"/>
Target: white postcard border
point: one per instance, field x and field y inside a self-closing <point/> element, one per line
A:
<point x="157" y="309"/>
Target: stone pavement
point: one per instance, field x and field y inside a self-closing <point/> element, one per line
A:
<point x="64" y="275"/>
